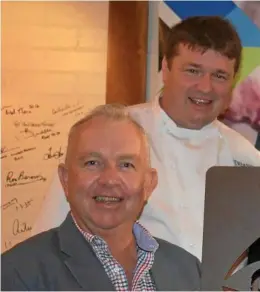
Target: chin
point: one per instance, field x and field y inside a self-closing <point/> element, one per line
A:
<point x="198" y="124"/>
<point x="107" y="224"/>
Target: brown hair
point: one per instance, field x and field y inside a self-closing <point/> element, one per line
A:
<point x="203" y="33"/>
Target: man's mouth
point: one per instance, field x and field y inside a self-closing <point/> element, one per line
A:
<point x="106" y="199"/>
<point x="200" y="101"/>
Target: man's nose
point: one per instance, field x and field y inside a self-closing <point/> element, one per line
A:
<point x="109" y="176"/>
<point x="205" y="83"/>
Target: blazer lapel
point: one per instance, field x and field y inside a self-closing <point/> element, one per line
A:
<point x="81" y="259"/>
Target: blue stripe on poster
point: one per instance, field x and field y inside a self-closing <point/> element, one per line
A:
<point x="186" y="9"/>
<point x="247" y="30"/>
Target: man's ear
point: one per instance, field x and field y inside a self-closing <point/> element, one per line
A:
<point x="165" y="69"/>
<point x="151" y="182"/>
<point x="63" y="176"/>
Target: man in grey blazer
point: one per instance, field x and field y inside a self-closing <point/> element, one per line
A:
<point x="107" y="178"/>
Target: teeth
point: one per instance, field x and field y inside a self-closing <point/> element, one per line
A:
<point x="200" y="101"/>
<point x="107" y="199"/>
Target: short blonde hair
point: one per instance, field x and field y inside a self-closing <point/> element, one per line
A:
<point x="114" y="112"/>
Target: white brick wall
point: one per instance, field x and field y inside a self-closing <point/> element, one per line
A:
<point x="56" y="47"/>
<point x="53" y="54"/>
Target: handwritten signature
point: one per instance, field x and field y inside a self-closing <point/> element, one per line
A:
<point x="31" y="133"/>
<point x="45" y="133"/>
<point x="73" y="110"/>
<point x="18" y="205"/>
<point x="53" y="134"/>
<point x="68" y="109"/>
<point x="11" y="203"/>
<point x="4" y="149"/>
<point x="61" y="109"/>
<point x="21" y="110"/>
<point x="33" y="124"/>
<point x="53" y="154"/>
<point x="22" y="179"/>
<point x="20" y="227"/>
<point x="23" y="151"/>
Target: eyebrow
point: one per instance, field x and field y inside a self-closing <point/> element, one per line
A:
<point x="83" y="155"/>
<point x="193" y="65"/>
<point x="128" y="157"/>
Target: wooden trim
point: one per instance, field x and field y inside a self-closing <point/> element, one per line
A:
<point x="127" y="52"/>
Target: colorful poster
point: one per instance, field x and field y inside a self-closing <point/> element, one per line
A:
<point x="243" y="114"/>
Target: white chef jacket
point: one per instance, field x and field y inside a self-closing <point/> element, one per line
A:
<point x="175" y="210"/>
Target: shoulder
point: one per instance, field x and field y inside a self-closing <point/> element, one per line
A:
<point x="242" y="150"/>
<point x="30" y="250"/>
<point x="143" y="114"/>
<point x="178" y="265"/>
<point x="139" y="107"/>
<point x="140" y="111"/>
<point x="23" y="265"/>
<point x="33" y="263"/>
<point x="177" y="254"/>
<point x="230" y="133"/>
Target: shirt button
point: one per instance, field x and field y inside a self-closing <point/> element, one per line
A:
<point x="192" y="245"/>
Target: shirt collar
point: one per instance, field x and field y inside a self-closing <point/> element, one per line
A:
<point x="143" y="238"/>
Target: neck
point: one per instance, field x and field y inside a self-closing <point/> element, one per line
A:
<point x="118" y="239"/>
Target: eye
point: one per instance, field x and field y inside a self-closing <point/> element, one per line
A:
<point x="193" y="71"/>
<point x="127" y="165"/>
<point x="91" y="163"/>
<point x="220" y="76"/>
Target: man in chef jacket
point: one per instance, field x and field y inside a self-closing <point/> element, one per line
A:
<point x="201" y="59"/>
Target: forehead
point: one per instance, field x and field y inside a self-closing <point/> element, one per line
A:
<point x="104" y="134"/>
<point x="210" y="59"/>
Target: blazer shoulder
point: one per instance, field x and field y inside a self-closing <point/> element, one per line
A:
<point x="30" y="250"/>
<point x="178" y="266"/>
<point x="21" y="263"/>
<point x="175" y="251"/>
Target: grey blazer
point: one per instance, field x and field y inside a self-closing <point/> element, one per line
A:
<point x="61" y="259"/>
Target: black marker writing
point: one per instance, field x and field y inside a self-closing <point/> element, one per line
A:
<point x="4" y="149"/>
<point x="33" y="124"/>
<point x="23" y="151"/>
<point x="53" y="154"/>
<point x="21" y="110"/>
<point x="22" y="178"/>
<point x="20" y="227"/>
<point x="9" y="204"/>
